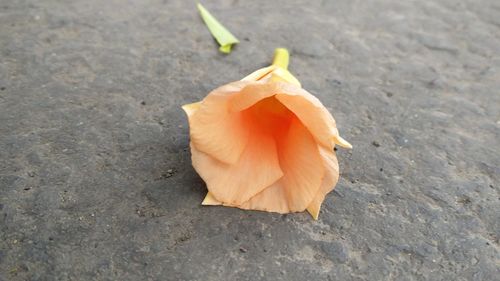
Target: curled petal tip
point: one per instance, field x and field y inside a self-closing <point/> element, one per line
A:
<point x="314" y="208"/>
<point x="314" y="214"/>
<point x="191" y="108"/>
<point x="210" y="200"/>
<point x="342" y="142"/>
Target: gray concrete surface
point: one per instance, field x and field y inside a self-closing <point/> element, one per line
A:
<point x="95" y="174"/>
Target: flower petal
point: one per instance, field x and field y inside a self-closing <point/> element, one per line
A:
<point x="301" y="162"/>
<point x="313" y="114"/>
<point x="216" y="131"/>
<point x="272" y="74"/>
<point x="257" y="168"/>
<point x="303" y="167"/>
<point x="259" y="73"/>
<point x="252" y="94"/>
<point x="271" y="199"/>
<point x="281" y="74"/>
<point x="329" y="181"/>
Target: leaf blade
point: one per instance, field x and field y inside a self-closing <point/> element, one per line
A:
<point x="223" y="36"/>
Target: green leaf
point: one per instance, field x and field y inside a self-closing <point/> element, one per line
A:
<point x="219" y="32"/>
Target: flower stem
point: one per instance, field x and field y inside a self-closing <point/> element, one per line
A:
<point x="281" y="58"/>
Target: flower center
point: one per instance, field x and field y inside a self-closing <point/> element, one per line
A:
<point x="269" y="116"/>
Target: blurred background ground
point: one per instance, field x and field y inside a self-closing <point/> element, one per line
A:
<point x="95" y="174"/>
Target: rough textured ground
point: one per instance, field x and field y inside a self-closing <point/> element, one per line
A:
<point x="95" y="174"/>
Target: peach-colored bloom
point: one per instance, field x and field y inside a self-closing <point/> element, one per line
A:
<point x="264" y="143"/>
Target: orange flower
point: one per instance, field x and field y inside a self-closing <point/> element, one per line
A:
<point x="264" y="143"/>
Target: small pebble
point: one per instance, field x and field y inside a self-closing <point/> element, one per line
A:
<point x="376" y="144"/>
<point x="243" y="250"/>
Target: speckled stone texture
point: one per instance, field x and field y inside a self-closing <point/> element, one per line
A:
<point x="95" y="175"/>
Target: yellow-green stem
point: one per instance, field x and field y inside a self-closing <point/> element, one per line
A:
<point x="281" y="58"/>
